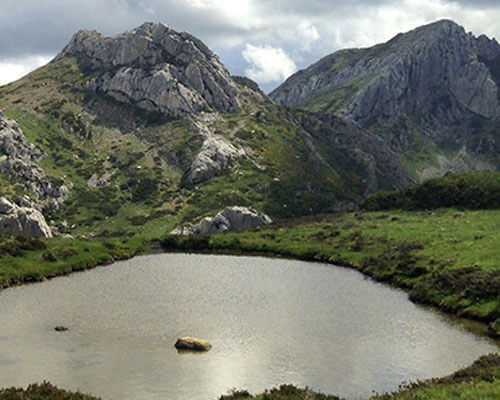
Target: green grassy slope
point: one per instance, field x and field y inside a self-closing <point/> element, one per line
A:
<point x="472" y="190"/>
<point x="287" y="171"/>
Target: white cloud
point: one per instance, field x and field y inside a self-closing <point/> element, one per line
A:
<point x="267" y="64"/>
<point x="13" y="69"/>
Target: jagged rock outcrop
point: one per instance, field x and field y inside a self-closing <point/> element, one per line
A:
<point x="157" y="69"/>
<point x="19" y="160"/>
<point x="436" y="69"/>
<point x="217" y="153"/>
<point x="230" y="219"/>
<point x="22" y="221"/>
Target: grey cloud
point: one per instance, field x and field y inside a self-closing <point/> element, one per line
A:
<point x="43" y="27"/>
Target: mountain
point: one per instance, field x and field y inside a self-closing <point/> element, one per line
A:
<point x="147" y="131"/>
<point x="432" y="95"/>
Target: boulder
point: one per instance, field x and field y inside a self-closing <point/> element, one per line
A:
<point x="230" y="219"/>
<point x="192" y="344"/>
<point x="22" y="221"/>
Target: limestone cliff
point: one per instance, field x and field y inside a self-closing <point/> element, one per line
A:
<point x="429" y="94"/>
<point x="438" y="68"/>
<point x="156" y="68"/>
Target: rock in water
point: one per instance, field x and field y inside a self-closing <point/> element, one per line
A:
<point x="193" y="344"/>
<point x="228" y="220"/>
<point x="60" y="328"/>
<point x="157" y="69"/>
<point x="22" y="221"/>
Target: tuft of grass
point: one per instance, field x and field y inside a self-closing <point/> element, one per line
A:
<point x="43" y="391"/>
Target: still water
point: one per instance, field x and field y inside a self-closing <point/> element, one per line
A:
<point x="270" y="321"/>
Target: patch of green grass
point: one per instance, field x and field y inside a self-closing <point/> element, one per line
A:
<point x="472" y="190"/>
<point x="337" y="98"/>
<point x="60" y="256"/>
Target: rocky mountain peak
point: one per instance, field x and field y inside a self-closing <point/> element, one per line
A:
<point x="155" y="68"/>
<point x="434" y="69"/>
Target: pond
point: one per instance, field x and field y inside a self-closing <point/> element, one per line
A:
<point x="270" y="321"/>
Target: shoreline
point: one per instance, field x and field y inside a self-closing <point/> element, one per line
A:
<point x="154" y="249"/>
<point x="486" y="330"/>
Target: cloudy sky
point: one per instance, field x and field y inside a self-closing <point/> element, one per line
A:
<point x="266" y="40"/>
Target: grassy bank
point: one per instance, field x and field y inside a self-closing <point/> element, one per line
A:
<point x="447" y="258"/>
<point x="24" y="260"/>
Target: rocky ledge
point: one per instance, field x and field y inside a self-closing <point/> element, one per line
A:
<point x="157" y="69"/>
<point x="230" y="219"/>
<point x="22" y="221"/>
<point x="19" y="161"/>
<point x="216" y="155"/>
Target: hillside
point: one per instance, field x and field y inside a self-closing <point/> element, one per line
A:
<point x="150" y="126"/>
<point x="467" y="190"/>
<point x="432" y="96"/>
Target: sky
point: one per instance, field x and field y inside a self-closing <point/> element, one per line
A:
<point x="265" y="40"/>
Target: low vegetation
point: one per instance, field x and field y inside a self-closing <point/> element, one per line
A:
<point x="23" y="260"/>
<point x="43" y="391"/>
<point x="471" y="190"/>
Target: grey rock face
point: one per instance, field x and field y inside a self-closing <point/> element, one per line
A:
<point x="20" y="161"/>
<point x="228" y="220"/>
<point x="157" y="69"/>
<point x="22" y="221"/>
<point x="436" y="69"/>
<point x="216" y="154"/>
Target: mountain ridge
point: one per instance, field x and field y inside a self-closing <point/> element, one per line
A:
<point x="130" y="130"/>
<point x="432" y="94"/>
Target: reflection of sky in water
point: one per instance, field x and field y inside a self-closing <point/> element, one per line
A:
<point x="270" y="322"/>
